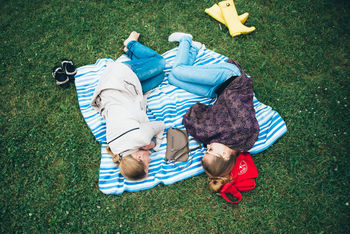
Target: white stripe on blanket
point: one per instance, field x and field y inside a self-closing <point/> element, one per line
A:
<point x="168" y="104"/>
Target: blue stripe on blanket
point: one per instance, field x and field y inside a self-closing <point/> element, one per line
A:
<point x="168" y="104"/>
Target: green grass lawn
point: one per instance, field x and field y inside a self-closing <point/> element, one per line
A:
<point x="298" y="57"/>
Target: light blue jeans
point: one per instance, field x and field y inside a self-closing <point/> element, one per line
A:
<point x="147" y="64"/>
<point x="202" y="80"/>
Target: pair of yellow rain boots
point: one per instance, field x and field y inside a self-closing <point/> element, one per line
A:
<point x="225" y="12"/>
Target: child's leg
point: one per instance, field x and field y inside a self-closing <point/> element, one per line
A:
<point x="199" y="89"/>
<point x="186" y="54"/>
<point x="147" y="64"/>
<point x="136" y="50"/>
<point x="147" y="68"/>
<point x="152" y="82"/>
<point x="209" y="76"/>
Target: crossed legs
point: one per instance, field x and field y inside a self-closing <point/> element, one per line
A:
<point x="147" y="64"/>
<point x="198" y="79"/>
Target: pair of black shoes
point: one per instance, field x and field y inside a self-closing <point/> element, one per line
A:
<point x="65" y="73"/>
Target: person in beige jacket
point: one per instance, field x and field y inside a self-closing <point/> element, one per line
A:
<point x="119" y="98"/>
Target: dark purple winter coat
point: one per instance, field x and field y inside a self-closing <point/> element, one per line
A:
<point x="230" y="120"/>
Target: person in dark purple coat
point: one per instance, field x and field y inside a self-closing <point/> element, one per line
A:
<point x="229" y="126"/>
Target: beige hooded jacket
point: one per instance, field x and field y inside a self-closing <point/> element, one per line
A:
<point x="119" y="99"/>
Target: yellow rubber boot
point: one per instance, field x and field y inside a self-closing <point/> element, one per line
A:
<point x="215" y="12"/>
<point x="231" y="18"/>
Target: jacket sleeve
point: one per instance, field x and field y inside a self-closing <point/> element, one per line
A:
<point x="154" y="129"/>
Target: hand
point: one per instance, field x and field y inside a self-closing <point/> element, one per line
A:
<point x="149" y="146"/>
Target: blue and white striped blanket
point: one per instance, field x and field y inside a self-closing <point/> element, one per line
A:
<point x="168" y="104"/>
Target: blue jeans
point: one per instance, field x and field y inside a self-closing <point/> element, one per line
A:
<point x="202" y="80"/>
<point x="147" y="64"/>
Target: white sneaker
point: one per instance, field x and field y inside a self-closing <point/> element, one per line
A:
<point x="197" y="44"/>
<point x="176" y="36"/>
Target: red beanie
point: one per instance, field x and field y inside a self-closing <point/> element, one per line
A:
<point x="243" y="173"/>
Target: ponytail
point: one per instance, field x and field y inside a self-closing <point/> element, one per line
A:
<point x="116" y="158"/>
<point x="215" y="183"/>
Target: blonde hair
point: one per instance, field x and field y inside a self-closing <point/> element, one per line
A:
<point x="130" y="168"/>
<point x="219" y="170"/>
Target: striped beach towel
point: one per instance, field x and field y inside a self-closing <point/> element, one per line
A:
<point x="165" y="103"/>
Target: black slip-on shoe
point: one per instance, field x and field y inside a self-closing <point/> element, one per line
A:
<point x="61" y="78"/>
<point x="69" y="68"/>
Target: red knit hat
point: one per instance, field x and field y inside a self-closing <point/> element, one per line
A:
<point x="243" y="173"/>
